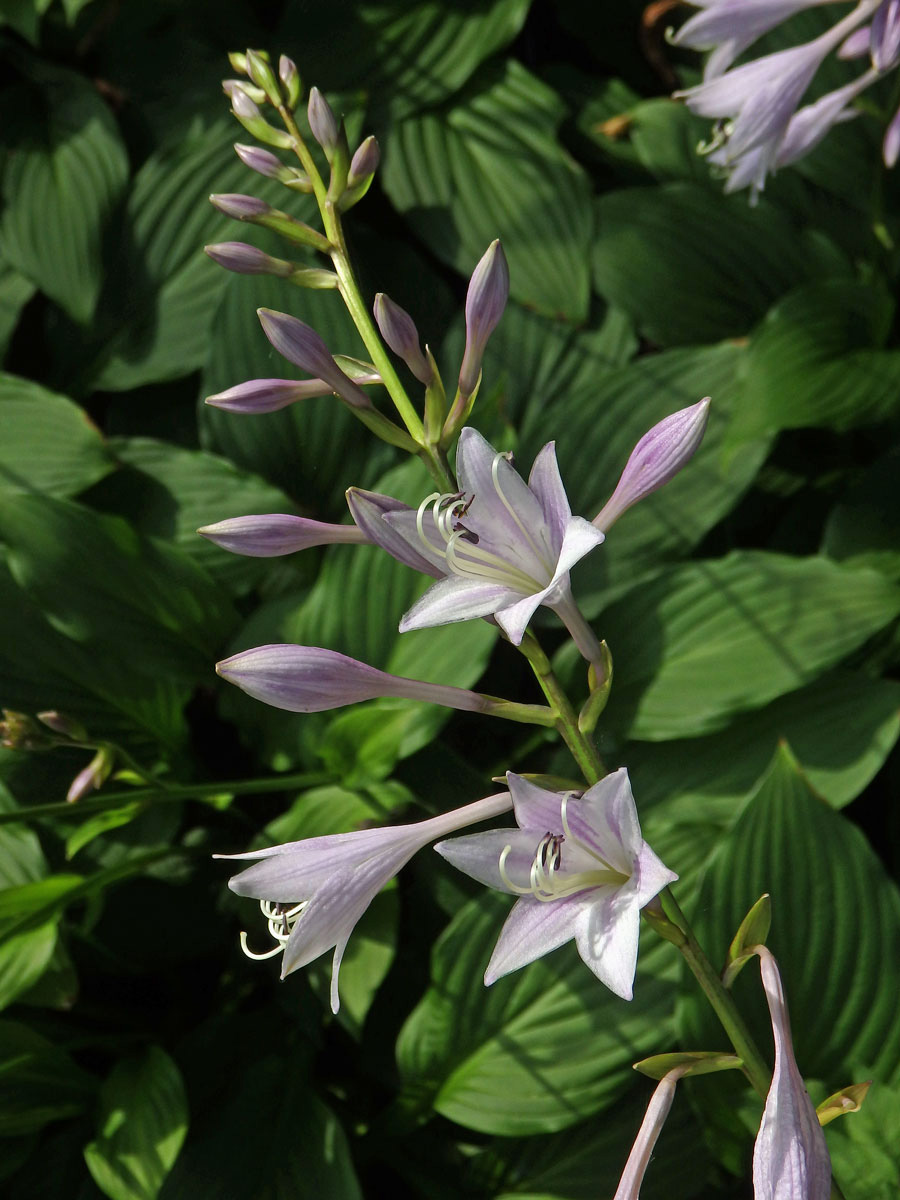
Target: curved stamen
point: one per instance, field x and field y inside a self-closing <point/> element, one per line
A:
<point x="280" y="922"/>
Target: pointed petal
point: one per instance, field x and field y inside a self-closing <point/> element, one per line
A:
<point x="505" y="511"/>
<point x="455" y="599"/>
<point x="531" y="930"/>
<point x="479" y="854"/>
<point x="606" y="820"/>
<point x="546" y="483"/>
<point x="369" y="510"/>
<point x="652" y="875"/>
<point x="579" y="539"/>
<point x="429" y="545"/>
<point x="537" y="809"/>
<point x="514" y="619"/>
<point x="606" y="934"/>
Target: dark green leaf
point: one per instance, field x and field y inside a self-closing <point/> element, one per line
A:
<point x="39" y="1082"/>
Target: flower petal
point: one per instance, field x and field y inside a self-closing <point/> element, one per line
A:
<point x="376" y="516"/>
<point x="606" y="934"/>
<point x="479" y="854"/>
<point x="652" y="876"/>
<point x="456" y="599"/>
<point x="536" y="808"/>
<point x="533" y="929"/>
<point x="513" y="619"/>
<point x="606" y="820"/>
<point x="546" y="483"/>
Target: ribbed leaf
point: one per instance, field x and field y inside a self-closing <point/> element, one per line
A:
<point x="60" y="186"/>
<point x="408" y="56"/>
<point x="705" y="641"/>
<point x="142" y="1123"/>
<point x="864" y="525"/>
<point x="835" y="930"/>
<point x="817" y="359"/>
<point x="690" y="265"/>
<point x="490" y="166"/>
<point x="537" y="1050"/>
<point x="596" y="426"/>
<point x="49" y="443"/>
<point x="39" y="1082"/>
<point x="15" y="292"/>
<point x="842" y="727"/>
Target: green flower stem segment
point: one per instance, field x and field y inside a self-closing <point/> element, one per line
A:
<point x="583" y="749"/>
<point x="723" y="1004"/>
<point x="350" y="292"/>
<point x="167" y="793"/>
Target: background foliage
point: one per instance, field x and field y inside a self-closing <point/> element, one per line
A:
<point x="751" y="607"/>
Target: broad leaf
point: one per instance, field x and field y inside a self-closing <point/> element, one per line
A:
<point x="490" y="166"/>
<point x="39" y="1082"/>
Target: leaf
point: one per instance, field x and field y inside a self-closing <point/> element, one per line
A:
<point x="145" y="599"/>
<point x="835" y="930"/>
<point x="15" y="292"/>
<point x="300" y="1151"/>
<point x="818" y="359"/>
<point x="597" y="425"/>
<point x="143" y="1122"/>
<point x="536" y="1051"/>
<point x="490" y="165"/>
<point x="168" y="491"/>
<point x="690" y="265"/>
<point x="29" y="915"/>
<point x="410" y="56"/>
<point x="705" y="641"/>
<point x="863" y="528"/>
<point x="49" y="444"/>
<point x="39" y="1082"/>
<point x="841" y="728"/>
<point x="60" y="185"/>
<point x="160" y="305"/>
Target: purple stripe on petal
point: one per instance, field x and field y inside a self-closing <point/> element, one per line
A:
<point x="272" y="534"/>
<point x="267" y="395"/>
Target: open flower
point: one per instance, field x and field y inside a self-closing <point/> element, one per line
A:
<point x="503" y="546"/>
<point x="580" y="869"/>
<point x="313" y="892"/>
<point x="790" y="1158"/>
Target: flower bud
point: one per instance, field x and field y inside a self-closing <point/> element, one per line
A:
<point x="885" y="39"/>
<point x="67" y="727"/>
<point x="242" y="208"/>
<point x="890" y="150"/>
<point x="273" y="534"/>
<point x="260" y="71"/>
<point x="94" y="775"/>
<point x="290" y="81"/>
<point x="485" y="302"/>
<point x="249" y="115"/>
<point x="857" y="44"/>
<point x="19" y="732"/>
<point x="268" y="395"/>
<point x="250" y="208"/>
<point x="302" y="345"/>
<point x="257" y="95"/>
<point x="322" y="122"/>
<point x="248" y="260"/>
<point x="238" y="61"/>
<point x="264" y="162"/>
<point x="310" y="679"/>
<point x="658" y="456"/>
<point x="364" y="163"/>
<point x="401" y="335"/>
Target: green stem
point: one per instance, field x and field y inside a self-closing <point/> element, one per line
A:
<point x="719" y="997"/>
<point x="356" y="306"/>
<point x="583" y="749"/>
<point x="167" y="793"/>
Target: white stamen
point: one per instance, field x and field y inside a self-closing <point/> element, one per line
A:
<point x="280" y="922"/>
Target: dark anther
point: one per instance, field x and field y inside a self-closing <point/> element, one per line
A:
<point x="466" y="535"/>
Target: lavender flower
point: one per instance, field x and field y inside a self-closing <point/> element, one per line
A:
<point x="790" y="1158"/>
<point x="269" y="395"/>
<point x="580" y="869"/>
<point x="502" y="546"/>
<point x="313" y="892"/>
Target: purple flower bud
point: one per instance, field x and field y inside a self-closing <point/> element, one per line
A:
<point x="302" y="345"/>
<point x="260" y="71"/>
<point x="885" y="44"/>
<point x="93" y="776"/>
<point x="891" y="148"/>
<point x="322" y="122"/>
<point x="310" y="679"/>
<point x="401" y="335"/>
<point x="248" y="260"/>
<point x="257" y="95"/>
<point x="61" y="724"/>
<point x="264" y="162"/>
<point x="364" y="162"/>
<point x="241" y="207"/>
<point x="857" y="44"/>
<point x="247" y="112"/>
<point x="290" y="80"/>
<point x="485" y="302"/>
<point x="268" y="395"/>
<point x="660" y="454"/>
<point x="273" y="534"/>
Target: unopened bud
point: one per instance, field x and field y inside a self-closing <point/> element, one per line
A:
<point x="361" y="173"/>
<point x="94" y="775"/>
<point x="230" y="86"/>
<point x="659" y="455"/>
<point x="248" y="260"/>
<point x="260" y="71"/>
<point x="257" y="212"/>
<point x="67" y="727"/>
<point x="249" y="115"/>
<point x="485" y="302"/>
<point x="19" y="732"/>
<point x="273" y="534"/>
<point x="398" y="330"/>
<point x="322" y="122"/>
<point x="238" y="61"/>
<point x="302" y="346"/>
<point x="290" y="81"/>
<point x="242" y="208"/>
<point x="264" y="162"/>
